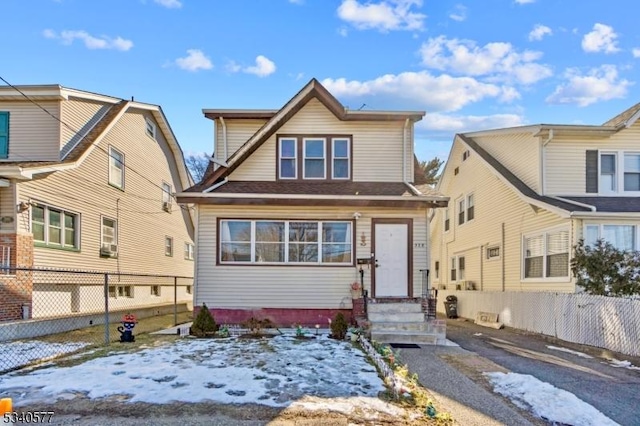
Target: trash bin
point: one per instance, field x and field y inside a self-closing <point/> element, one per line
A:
<point x="451" y="306"/>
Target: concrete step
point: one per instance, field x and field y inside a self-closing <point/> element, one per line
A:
<point x="394" y="307"/>
<point x="403" y="326"/>
<point x="406" y="337"/>
<point x="375" y="317"/>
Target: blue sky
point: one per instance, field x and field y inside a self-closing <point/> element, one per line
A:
<point x="470" y="65"/>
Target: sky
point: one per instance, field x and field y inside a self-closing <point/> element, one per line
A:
<point x="469" y="64"/>
<point x="279" y="372"/>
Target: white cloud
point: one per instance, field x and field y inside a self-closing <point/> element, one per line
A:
<point x="464" y="123"/>
<point x="90" y="42"/>
<point x="598" y="84"/>
<point x="439" y="93"/>
<point x="636" y="52"/>
<point x="498" y="60"/>
<point x="601" y="39"/>
<point x="538" y="32"/>
<point x="194" y="61"/>
<point x="459" y="13"/>
<point x="525" y="1"/>
<point x="263" y="67"/>
<point x="169" y="4"/>
<point x="385" y="15"/>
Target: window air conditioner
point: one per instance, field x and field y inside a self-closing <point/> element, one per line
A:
<point x="109" y="250"/>
<point x="166" y="206"/>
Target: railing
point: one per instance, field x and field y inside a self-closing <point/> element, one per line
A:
<point x="429" y="296"/>
<point x="365" y="293"/>
<point x="5" y="259"/>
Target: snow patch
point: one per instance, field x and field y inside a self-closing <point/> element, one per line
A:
<point x="580" y="354"/>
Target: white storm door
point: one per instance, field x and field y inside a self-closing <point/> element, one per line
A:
<point x="391" y="260"/>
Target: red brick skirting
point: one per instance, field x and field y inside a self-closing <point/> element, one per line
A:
<point x="16" y="287"/>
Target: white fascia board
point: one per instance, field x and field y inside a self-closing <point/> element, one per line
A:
<point x="314" y="196"/>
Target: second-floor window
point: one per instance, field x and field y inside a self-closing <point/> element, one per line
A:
<point x="619" y="172"/>
<point x="314" y="157"/>
<point x="166" y="197"/>
<point x="109" y="234"/>
<point x="446" y="219"/>
<point x="116" y="168"/>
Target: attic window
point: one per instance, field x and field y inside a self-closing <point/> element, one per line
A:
<point x="151" y="128"/>
<point x="314" y="157"/>
<point x="456" y="170"/>
<point x="465" y="155"/>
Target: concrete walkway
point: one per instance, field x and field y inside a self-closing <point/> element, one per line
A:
<point x="444" y="371"/>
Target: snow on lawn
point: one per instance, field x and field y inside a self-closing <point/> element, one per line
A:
<point x="273" y="372"/>
<point x="18" y="353"/>
<point x="580" y="354"/>
<point x="546" y="401"/>
<point x="622" y="364"/>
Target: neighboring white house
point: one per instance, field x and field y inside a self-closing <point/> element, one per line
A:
<point x="303" y="198"/>
<point x="522" y="197"/>
<point x="87" y="182"/>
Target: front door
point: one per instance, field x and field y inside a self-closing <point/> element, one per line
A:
<point x="391" y="256"/>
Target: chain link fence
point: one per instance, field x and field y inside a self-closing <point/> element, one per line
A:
<point x="45" y="313"/>
<point x="604" y="322"/>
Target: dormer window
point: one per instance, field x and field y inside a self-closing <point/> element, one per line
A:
<point x="314" y="157"/>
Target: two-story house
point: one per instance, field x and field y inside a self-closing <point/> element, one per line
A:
<point x="522" y="197"/>
<point x="300" y="200"/>
<point x="87" y="182"/>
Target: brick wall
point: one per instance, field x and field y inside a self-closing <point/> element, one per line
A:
<point x="16" y="287"/>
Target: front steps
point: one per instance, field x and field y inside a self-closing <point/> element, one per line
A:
<point x="403" y="321"/>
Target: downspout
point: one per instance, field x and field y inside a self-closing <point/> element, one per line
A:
<point x="503" y="256"/>
<point x="543" y="182"/>
<point x="404" y="151"/>
<point x="481" y="268"/>
<point x="224" y="138"/>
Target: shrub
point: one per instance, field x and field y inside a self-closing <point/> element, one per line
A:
<point x="256" y="326"/>
<point x="605" y="270"/>
<point x="339" y="326"/>
<point x="203" y="324"/>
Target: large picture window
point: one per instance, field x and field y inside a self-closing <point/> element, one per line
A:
<point x="622" y="237"/>
<point x="54" y="227"/>
<point x="286" y="242"/>
<point x="546" y="255"/>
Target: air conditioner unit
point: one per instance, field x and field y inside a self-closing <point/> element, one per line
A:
<point x="166" y="206"/>
<point x="109" y="250"/>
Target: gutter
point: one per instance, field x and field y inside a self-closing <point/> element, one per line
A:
<point x="577" y="203"/>
<point x="596" y="214"/>
<point x="543" y="182"/>
<point x="404" y="151"/>
<point x="212" y="187"/>
<point x="204" y="194"/>
<point x="224" y="138"/>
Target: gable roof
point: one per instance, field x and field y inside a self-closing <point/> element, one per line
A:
<point x="531" y="196"/>
<point x="311" y="90"/>
<point x="625" y="118"/>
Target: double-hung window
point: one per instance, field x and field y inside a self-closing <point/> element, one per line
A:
<point x="315" y="154"/>
<point x="288" y="167"/>
<point x="286" y="242"/>
<point x="166" y="196"/>
<point x="546" y="255"/>
<point x="608" y="179"/>
<point x="618" y="172"/>
<point x="446" y="219"/>
<point x="109" y="234"/>
<point x="168" y="246"/>
<point x="150" y="128"/>
<point x="470" y="207"/>
<point x="632" y="172"/>
<point x="55" y="227"/>
<point x="461" y="211"/>
<point x="116" y="168"/>
<point x="188" y="251"/>
<point x="341" y="158"/>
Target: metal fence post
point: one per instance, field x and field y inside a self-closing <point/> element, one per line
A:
<point x="175" y="300"/>
<point x="106" y="309"/>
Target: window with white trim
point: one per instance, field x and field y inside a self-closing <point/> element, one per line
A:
<point x="619" y="172"/>
<point x="340" y="158"/>
<point x="116" y="168"/>
<point x="470" y="207"/>
<point x="546" y="255"/>
<point x="286" y="242"/>
<point x="447" y="221"/>
<point x="622" y="237"/>
<point x="188" y="251"/>
<point x="155" y="290"/>
<point x="150" y="128"/>
<point x="55" y="227"/>
<point x="437" y="269"/>
<point x="167" y="190"/>
<point x="314" y="155"/>
<point x="461" y="210"/>
<point x="168" y="246"/>
<point x="454" y="270"/>
<point x="109" y="233"/>
<point x="288" y="164"/>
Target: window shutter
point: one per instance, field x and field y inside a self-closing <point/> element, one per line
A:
<point x="4" y="134"/>
<point x="592" y="172"/>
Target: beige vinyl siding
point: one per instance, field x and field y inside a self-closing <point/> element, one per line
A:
<point x="565" y="171"/>
<point x="518" y="152"/>
<point x="377" y="146"/>
<point x="225" y="286"/>
<point x="495" y="205"/>
<point x="80" y="115"/>
<point x="238" y="132"/>
<point x="33" y="134"/>
<point x="7" y="209"/>
<point x="142" y="224"/>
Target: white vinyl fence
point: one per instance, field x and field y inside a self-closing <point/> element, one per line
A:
<point x="604" y="322"/>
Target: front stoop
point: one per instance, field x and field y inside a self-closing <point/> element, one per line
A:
<point x="404" y="321"/>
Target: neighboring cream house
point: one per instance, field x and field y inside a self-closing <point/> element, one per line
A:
<point x="522" y="197"/>
<point x="87" y="182"/>
<point x="301" y="199"/>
